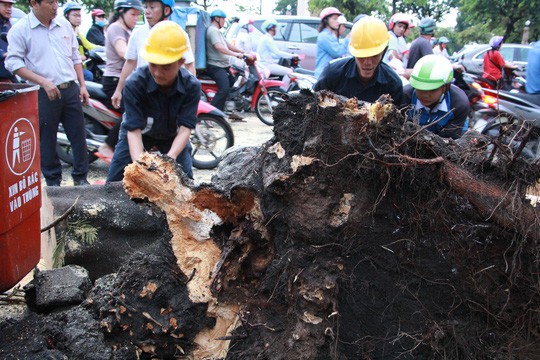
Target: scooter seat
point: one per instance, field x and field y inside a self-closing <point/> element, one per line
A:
<point x="532" y="98"/>
<point x="96" y="90"/>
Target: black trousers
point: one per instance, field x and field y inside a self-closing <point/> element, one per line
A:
<point x="224" y="81"/>
<point x="68" y="111"/>
<point x="109" y="86"/>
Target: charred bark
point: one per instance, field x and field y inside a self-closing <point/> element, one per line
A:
<point x="351" y="234"/>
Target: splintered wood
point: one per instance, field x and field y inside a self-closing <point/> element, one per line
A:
<point x="191" y="216"/>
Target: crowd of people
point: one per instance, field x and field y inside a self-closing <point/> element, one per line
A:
<point x="150" y="73"/>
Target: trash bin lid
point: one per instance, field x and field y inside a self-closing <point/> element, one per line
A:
<point x="6" y="94"/>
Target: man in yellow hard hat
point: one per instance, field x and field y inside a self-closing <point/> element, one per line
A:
<point x="160" y="103"/>
<point x="364" y="75"/>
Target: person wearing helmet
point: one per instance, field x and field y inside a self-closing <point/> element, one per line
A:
<point x="154" y="12"/>
<point x="397" y="26"/>
<point x="161" y="101"/>
<point x="358" y="17"/>
<point x="270" y="54"/>
<point x="440" y="48"/>
<point x="364" y="75"/>
<point x="434" y="101"/>
<point x="421" y="46"/>
<point x="96" y="33"/>
<point x="329" y="47"/>
<point x="35" y="44"/>
<point x="72" y="12"/>
<point x="5" y="14"/>
<point x="494" y="64"/>
<point x="218" y="57"/>
<point x="243" y="38"/>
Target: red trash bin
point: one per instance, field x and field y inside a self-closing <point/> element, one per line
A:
<point x="20" y="182"/>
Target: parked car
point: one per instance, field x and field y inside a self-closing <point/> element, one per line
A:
<point x="473" y="58"/>
<point x="294" y="34"/>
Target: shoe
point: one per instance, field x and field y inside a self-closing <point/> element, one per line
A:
<point x="81" y="182"/>
<point x="235" y="117"/>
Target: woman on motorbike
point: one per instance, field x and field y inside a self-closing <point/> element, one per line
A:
<point x="270" y="54"/>
<point x="494" y="63"/>
<point x="328" y="45"/>
<point x="96" y="33"/>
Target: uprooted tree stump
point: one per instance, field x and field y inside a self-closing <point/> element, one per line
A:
<point x="352" y="234"/>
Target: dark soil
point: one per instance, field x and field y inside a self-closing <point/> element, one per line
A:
<point x="370" y="255"/>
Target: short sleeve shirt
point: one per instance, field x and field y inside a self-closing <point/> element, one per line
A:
<point x="214" y="57"/>
<point x="420" y="47"/>
<point x="115" y="32"/>
<point x="493" y="64"/>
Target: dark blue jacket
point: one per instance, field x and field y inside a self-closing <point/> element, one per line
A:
<point x="5" y="25"/>
<point x="159" y="115"/>
<point x="453" y="111"/>
<point x="341" y="77"/>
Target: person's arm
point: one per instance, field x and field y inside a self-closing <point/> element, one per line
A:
<point x="225" y="50"/>
<point x="191" y="68"/>
<point x="333" y="47"/>
<point x="179" y="142"/>
<point x="275" y="51"/>
<point x="127" y="69"/>
<point x="80" y="77"/>
<point x="120" y="46"/>
<point x="87" y="44"/>
<point x="459" y="105"/>
<point x="135" y="142"/>
<point x="50" y="88"/>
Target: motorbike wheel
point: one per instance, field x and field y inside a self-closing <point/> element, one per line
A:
<point x="65" y="154"/>
<point x="210" y="138"/>
<point x="509" y="133"/>
<point x="266" y="104"/>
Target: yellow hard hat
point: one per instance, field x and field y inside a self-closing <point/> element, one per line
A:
<point x="369" y="37"/>
<point x="166" y="43"/>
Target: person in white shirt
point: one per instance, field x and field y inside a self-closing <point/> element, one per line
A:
<point x="440" y="48"/>
<point x="270" y="54"/>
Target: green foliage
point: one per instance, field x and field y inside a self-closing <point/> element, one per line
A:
<point x="435" y="9"/>
<point x="79" y="229"/>
<point x="281" y="6"/>
<point x="106" y="5"/>
<point x="502" y="17"/>
<point x="351" y="8"/>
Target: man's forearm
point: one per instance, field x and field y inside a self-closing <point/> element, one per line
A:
<point x="135" y="142"/>
<point x="179" y="142"/>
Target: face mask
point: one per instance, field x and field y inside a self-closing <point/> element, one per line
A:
<point x="101" y="23"/>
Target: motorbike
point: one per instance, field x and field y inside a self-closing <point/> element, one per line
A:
<point x="95" y="63"/>
<point x="512" y="81"/>
<point x="300" y="78"/>
<point x="474" y="92"/>
<point x="513" y="118"/>
<point x="252" y="91"/>
<point x="210" y="138"/>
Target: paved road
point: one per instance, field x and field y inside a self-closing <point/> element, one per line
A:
<point x="249" y="133"/>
